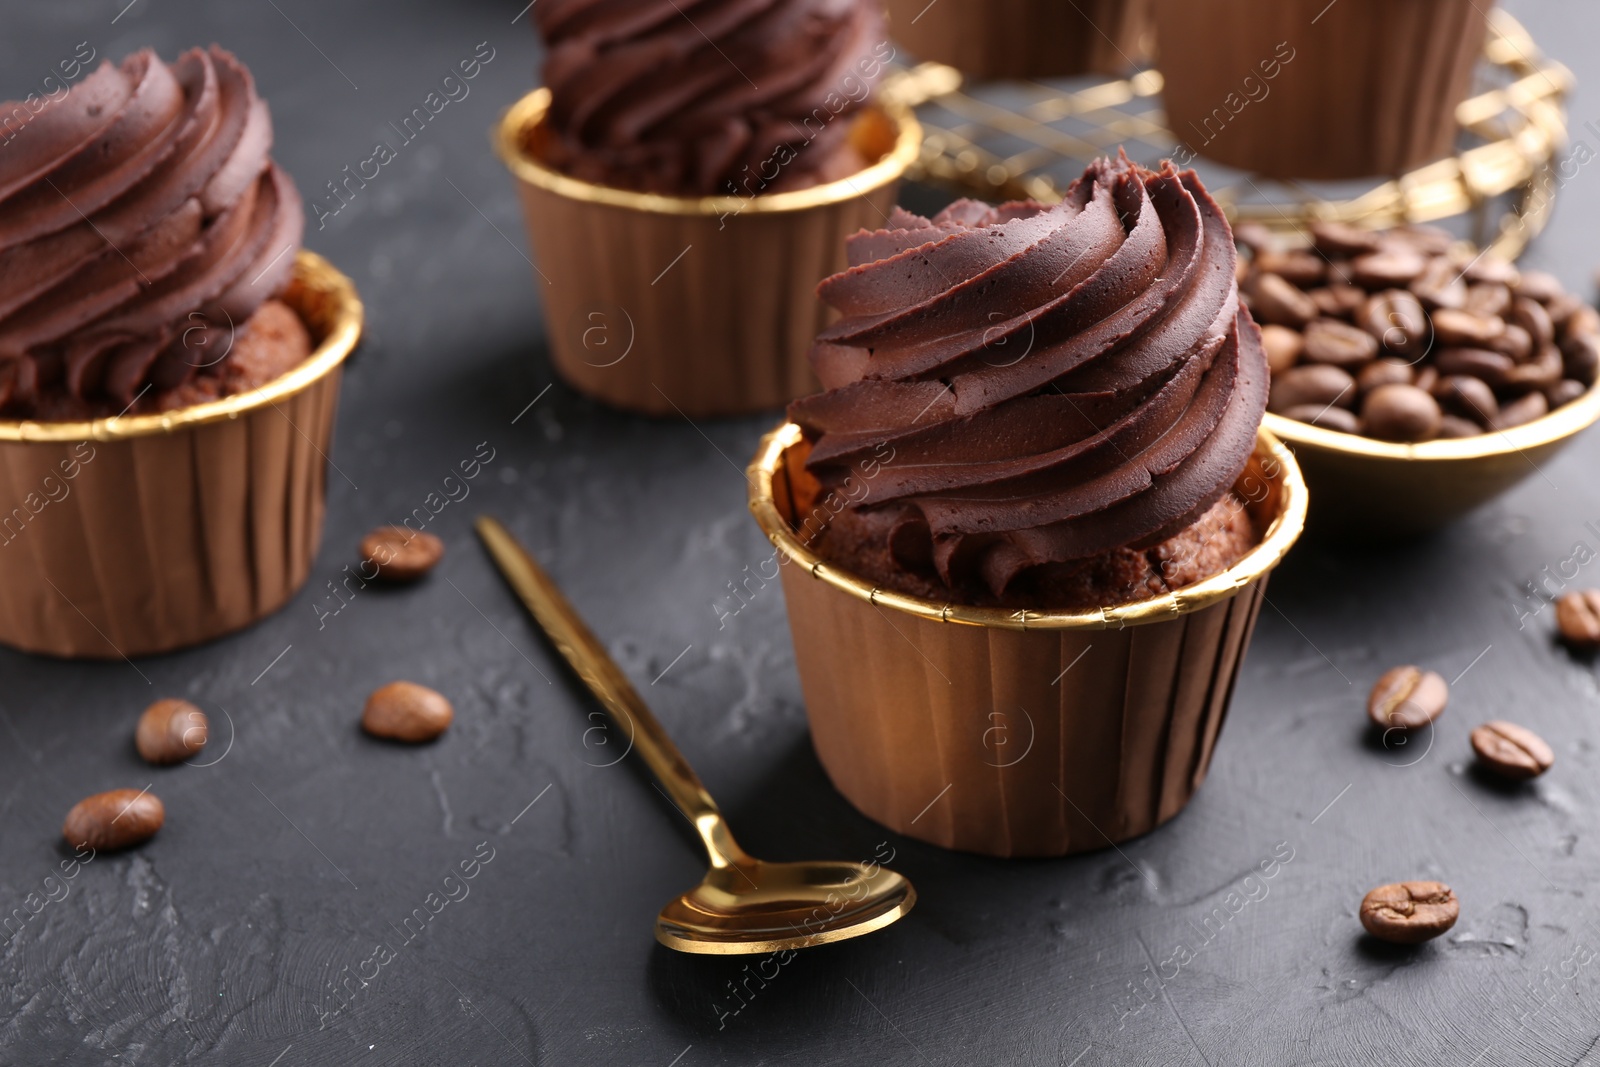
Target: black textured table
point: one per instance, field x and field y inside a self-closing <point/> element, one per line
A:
<point x="244" y="932"/>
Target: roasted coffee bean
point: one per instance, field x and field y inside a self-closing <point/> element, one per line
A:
<point x="1489" y="301"/>
<point x="1326" y="416"/>
<point x="1384" y="372"/>
<point x="1276" y="301"/>
<point x="1491" y="367"/>
<point x="401" y="554"/>
<point x="1255" y="236"/>
<point x="1400" y="413"/>
<point x="1342" y="239"/>
<point x="1532" y="317"/>
<point x="1317" y="384"/>
<point x="1541" y="372"/>
<point x="170" y="731"/>
<point x="1468" y="397"/>
<point x="1490" y="270"/>
<point x="1283" y="347"/>
<point x="1338" y="344"/>
<point x="1583" y="322"/>
<point x="1513" y="341"/>
<point x="1452" y="427"/>
<point x="1465" y="329"/>
<point x="1561" y="310"/>
<point x="1580" y="358"/>
<point x="1396" y="318"/>
<point x="1440" y="286"/>
<point x="1512" y="751"/>
<point x="118" y="819"/>
<point x="1407" y="698"/>
<point x="1578" y="618"/>
<point x="1338" y="301"/>
<point x="1564" y="392"/>
<point x="405" y="711"/>
<point x="1522" y="410"/>
<point x="1538" y="285"/>
<point x="1429" y="240"/>
<point x="1426" y="379"/>
<point x="1388" y="268"/>
<point x="1409" y="913"/>
<point x="1297" y="267"/>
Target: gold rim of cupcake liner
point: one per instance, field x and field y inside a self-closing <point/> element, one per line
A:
<point x="530" y="111"/>
<point x="1280" y="535"/>
<point x="338" y="341"/>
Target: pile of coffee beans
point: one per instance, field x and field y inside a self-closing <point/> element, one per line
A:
<point x="1402" y="335"/>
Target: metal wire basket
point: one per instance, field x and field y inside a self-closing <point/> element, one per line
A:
<point x="1023" y="140"/>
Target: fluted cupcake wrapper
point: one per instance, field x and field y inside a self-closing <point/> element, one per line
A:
<point x="144" y="534"/>
<point x="1020" y="733"/>
<point x="988" y="39"/>
<point x="1370" y="88"/>
<point x="701" y="307"/>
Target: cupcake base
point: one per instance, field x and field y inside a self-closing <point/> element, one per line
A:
<point x="1024" y="38"/>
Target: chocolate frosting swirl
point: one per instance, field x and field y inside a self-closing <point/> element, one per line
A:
<point x="140" y="220"/>
<point x="707" y="97"/>
<point x="1054" y="383"/>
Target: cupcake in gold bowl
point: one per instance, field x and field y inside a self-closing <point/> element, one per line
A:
<point x="688" y="175"/>
<point x="1414" y="377"/>
<point x="1026" y="528"/>
<point x="169" y="364"/>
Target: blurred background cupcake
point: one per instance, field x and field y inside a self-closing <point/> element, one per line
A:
<point x="169" y="363"/>
<point x="1309" y="89"/>
<point x="689" y="173"/>
<point x="1024" y="38"/>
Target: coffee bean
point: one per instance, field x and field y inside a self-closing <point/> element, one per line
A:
<point x="405" y="711"/>
<point x="1463" y="328"/>
<point x="1467" y="397"/>
<point x="1561" y="310"/>
<point x="1297" y="267"/>
<point x="1583" y="322"/>
<point x="1489" y="269"/>
<point x="1426" y="379"/>
<point x="1326" y="416"/>
<point x="1520" y="411"/>
<point x="1512" y="751"/>
<point x="170" y="731"/>
<point x="1338" y="344"/>
<point x="401" y="554"/>
<point x="1429" y="240"/>
<point x="1578" y="618"/>
<point x="1256" y="237"/>
<point x="1407" y="698"/>
<point x="1396" y="318"/>
<point x="1580" y="358"/>
<point x="1409" y="913"/>
<point x="1488" y="301"/>
<point x="1489" y="367"/>
<point x="118" y="819"/>
<point x="1283" y="347"/>
<point x="1342" y="239"/>
<point x="1564" y="392"/>
<point x="1387" y="269"/>
<point x="1453" y="428"/>
<point x="1440" y="286"/>
<point x="1276" y="301"/>
<point x="1384" y="372"/>
<point x="1532" y="317"/>
<point x="1514" y="341"/>
<point x="1541" y="372"/>
<point x="1338" y="301"/>
<point x="1317" y="384"/>
<point x="1538" y="285"/>
<point x="1400" y="413"/>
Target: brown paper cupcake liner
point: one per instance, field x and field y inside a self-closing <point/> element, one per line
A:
<point x="1018" y="733"/>
<point x="1024" y="38"/>
<point x="129" y="536"/>
<point x="1371" y="88"/>
<point x="694" y="306"/>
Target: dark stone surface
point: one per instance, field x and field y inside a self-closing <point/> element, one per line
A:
<point x="223" y="940"/>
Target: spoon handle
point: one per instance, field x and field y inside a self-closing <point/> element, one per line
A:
<point x="570" y="635"/>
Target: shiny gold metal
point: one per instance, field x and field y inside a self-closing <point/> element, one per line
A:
<point x="326" y="300"/>
<point x="744" y="905"/>
<point x="1272" y="466"/>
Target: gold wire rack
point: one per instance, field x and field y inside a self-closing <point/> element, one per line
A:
<point x="1023" y="140"/>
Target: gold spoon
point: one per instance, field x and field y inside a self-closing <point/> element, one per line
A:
<point x="744" y="905"/>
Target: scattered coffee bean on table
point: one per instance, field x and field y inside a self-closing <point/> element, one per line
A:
<point x="401" y="555"/>
<point x="170" y="731"/>
<point x="1407" y="698"/>
<point x="1512" y="751"/>
<point x="1578" y="618"/>
<point x="120" y="818"/>
<point x="405" y="711"/>
<point x="1409" y="913"/>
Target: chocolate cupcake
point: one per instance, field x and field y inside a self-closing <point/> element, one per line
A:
<point x="1308" y="89"/>
<point x="1024" y="38"/>
<point x="168" y="363"/>
<point x="688" y="175"/>
<point x="1041" y="422"/>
